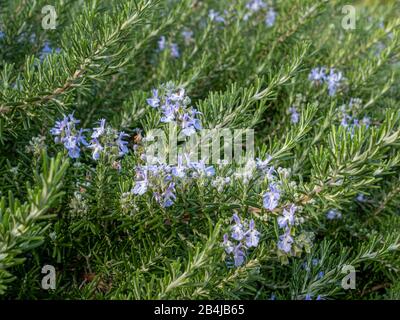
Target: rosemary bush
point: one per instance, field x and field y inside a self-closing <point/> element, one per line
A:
<point x="78" y="104"/>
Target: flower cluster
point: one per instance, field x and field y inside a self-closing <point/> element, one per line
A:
<point x="286" y="221"/>
<point x="162" y="178"/>
<point x="104" y="139"/>
<point x="243" y="236"/>
<point x="47" y="50"/>
<point x="333" y="214"/>
<point x="333" y="78"/>
<point x="271" y="198"/>
<point x="174" y="48"/>
<point x="174" y="106"/>
<point x="294" y="115"/>
<point x="215" y="16"/>
<point x="65" y="132"/>
<point x="348" y="115"/>
<point x="108" y="141"/>
<point x="187" y="36"/>
<point x="256" y="6"/>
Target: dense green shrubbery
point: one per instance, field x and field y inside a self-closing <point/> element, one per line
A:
<point x="320" y="194"/>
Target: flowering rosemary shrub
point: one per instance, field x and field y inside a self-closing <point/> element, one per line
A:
<point x="93" y="183"/>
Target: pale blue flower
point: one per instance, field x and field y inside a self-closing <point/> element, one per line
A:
<point x="215" y="16"/>
<point x="252" y="235"/>
<point x="270" y="17"/>
<point x="97" y="148"/>
<point x="285" y="241"/>
<point x="334" y="80"/>
<point x="187" y="36"/>
<point x="271" y="198"/>
<point x="256" y="5"/>
<point x="141" y="186"/>
<point x="162" y="43"/>
<point x="174" y="50"/>
<point x="228" y="245"/>
<point x="287" y="218"/>
<point x="122" y="145"/>
<point x="99" y="131"/>
<point x="154" y="101"/>
<point x="180" y="169"/>
<point x="333" y="214"/>
<point x="238" y="255"/>
<point x="237" y="229"/>
<point x="294" y="115"/>
<point x="317" y="75"/>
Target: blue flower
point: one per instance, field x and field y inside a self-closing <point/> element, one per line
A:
<point x="287" y="218"/>
<point x="237" y="229"/>
<point x="65" y="132"/>
<point x="252" y="235"/>
<point x="215" y="16"/>
<point x="187" y="36"/>
<point x="228" y="245"/>
<point x="97" y="148"/>
<point x="154" y="101"/>
<point x="201" y="168"/>
<point x="255" y="5"/>
<point x="99" y="131"/>
<point x="141" y="186"/>
<point x="263" y="164"/>
<point x="244" y="239"/>
<point x="122" y="145"/>
<point x="271" y="198"/>
<point x="167" y="198"/>
<point x="179" y="170"/>
<point x="238" y="255"/>
<point x="294" y="115"/>
<point x="334" y="80"/>
<point x="360" y="197"/>
<point x="175" y="50"/>
<point x="270" y="17"/>
<point x="162" y="43"/>
<point x="285" y="241"/>
<point x="333" y="214"/>
<point x="47" y="50"/>
<point x="317" y="75"/>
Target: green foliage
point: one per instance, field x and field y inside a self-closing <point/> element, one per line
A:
<point x="107" y="242"/>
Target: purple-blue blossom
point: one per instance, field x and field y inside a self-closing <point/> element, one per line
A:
<point x="333" y="214"/>
<point x="243" y="236"/>
<point x="294" y="115"/>
<point x="215" y="16"/>
<point x="65" y="132"/>
<point x="256" y="5"/>
<point x="287" y="218"/>
<point x="317" y="75"/>
<point x="271" y="198"/>
<point x="285" y="241"/>
<point x="270" y="17"/>
<point x="175" y="50"/>
<point x="334" y="80"/>
<point x="252" y="235"/>
<point x="187" y="36"/>
<point x="174" y="106"/>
